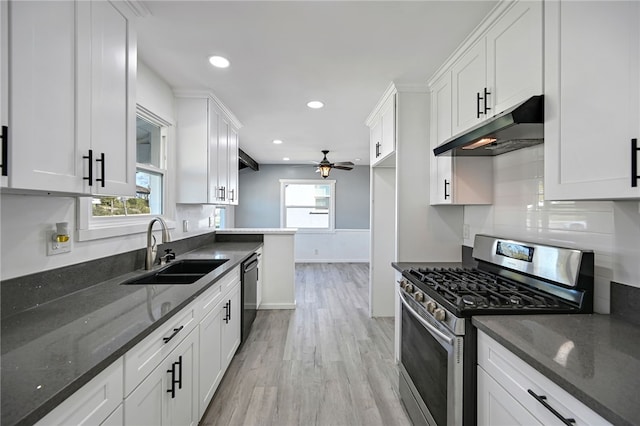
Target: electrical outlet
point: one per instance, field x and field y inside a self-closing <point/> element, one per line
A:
<point x="465" y="231"/>
<point x="56" y="247"/>
<point x="185" y="226"/>
<point x="212" y="221"/>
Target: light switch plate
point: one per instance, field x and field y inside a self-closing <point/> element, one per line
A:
<point x="465" y="231"/>
<point x="55" y="247"/>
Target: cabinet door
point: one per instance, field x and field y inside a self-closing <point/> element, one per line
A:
<point x="233" y="166"/>
<point x="42" y="99"/>
<point x="231" y="326"/>
<point x="210" y="355"/>
<point x="383" y="132"/>
<point x="468" y="83"/>
<point x="496" y="407"/>
<point x="215" y="124"/>
<point x="388" y="119"/>
<point x="194" y="120"/>
<point x="375" y="138"/>
<point x="440" y="130"/>
<point x="591" y="106"/>
<point x="4" y="84"/>
<point x="168" y="396"/>
<point x="222" y="169"/>
<point x="112" y="107"/>
<point x="514" y="56"/>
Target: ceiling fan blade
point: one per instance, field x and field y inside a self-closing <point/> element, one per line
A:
<point x="344" y="163"/>
<point x="343" y="167"/>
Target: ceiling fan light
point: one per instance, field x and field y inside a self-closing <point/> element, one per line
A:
<point x="324" y="171"/>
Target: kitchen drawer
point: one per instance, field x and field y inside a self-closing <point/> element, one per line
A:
<point x="517" y="378"/>
<point x="148" y="354"/>
<point x="214" y="294"/>
<point x="93" y="403"/>
<point x="230" y="280"/>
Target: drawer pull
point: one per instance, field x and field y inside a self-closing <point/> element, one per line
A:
<point x="175" y="331"/>
<point x="542" y="400"/>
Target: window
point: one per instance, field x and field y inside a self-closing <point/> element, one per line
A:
<point x="307" y="204"/>
<point x="150" y="172"/>
<point x="103" y="217"/>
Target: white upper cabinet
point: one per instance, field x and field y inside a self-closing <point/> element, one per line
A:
<point x="113" y="99"/>
<point x="469" y="86"/>
<point x="382" y="124"/>
<point x="592" y="96"/>
<point x="234" y="167"/>
<point x="207" y="160"/>
<point x="499" y="66"/>
<point x="82" y="100"/>
<point x="514" y="56"/>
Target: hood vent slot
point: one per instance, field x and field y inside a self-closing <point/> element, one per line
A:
<point x="519" y="127"/>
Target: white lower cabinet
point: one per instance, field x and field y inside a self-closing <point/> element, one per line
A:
<point x="96" y="403"/>
<point x="170" y="377"/>
<point x="215" y="328"/>
<point x="169" y="395"/>
<point x="511" y="392"/>
<point x="231" y="326"/>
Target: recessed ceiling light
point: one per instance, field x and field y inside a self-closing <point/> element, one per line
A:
<point x="315" y="104"/>
<point x="219" y="61"/>
<point x="277" y="141"/>
<point x="286" y="158"/>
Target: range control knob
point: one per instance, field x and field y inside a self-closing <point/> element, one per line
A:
<point x="408" y="288"/>
<point x="431" y="306"/>
<point x="419" y="296"/>
<point x="438" y="314"/>
<point x="402" y="283"/>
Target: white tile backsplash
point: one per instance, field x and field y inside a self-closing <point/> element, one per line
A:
<point x="520" y="211"/>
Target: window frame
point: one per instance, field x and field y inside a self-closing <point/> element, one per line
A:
<point x="91" y="228"/>
<point x="332" y="203"/>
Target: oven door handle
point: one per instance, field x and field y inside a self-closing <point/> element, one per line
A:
<point x="430" y="328"/>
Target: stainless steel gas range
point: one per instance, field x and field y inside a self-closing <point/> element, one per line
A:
<point x="438" y="342"/>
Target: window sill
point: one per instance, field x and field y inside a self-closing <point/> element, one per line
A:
<point x="119" y="229"/>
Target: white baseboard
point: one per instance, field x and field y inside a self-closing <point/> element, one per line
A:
<point x="332" y="260"/>
<point x="273" y="306"/>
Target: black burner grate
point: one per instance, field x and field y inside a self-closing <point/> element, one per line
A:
<point x="473" y="289"/>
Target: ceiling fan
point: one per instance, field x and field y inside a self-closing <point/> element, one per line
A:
<point x="325" y="166"/>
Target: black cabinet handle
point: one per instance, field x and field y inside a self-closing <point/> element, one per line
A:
<point x="486" y="95"/>
<point x="102" y="178"/>
<point x="175" y="331"/>
<point x="5" y="147"/>
<point x="226" y="313"/>
<point x="542" y="400"/>
<point x="179" y="362"/>
<point x="378" y="153"/>
<point x="478" y="98"/>
<point x="90" y="158"/>
<point x="634" y="163"/>
<point x="172" y="391"/>
<point x="446" y="185"/>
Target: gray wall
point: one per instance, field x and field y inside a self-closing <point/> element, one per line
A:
<point x="259" y="202"/>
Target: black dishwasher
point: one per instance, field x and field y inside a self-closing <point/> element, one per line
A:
<point x="249" y="287"/>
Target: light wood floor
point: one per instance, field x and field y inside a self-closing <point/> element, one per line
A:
<point x="324" y="363"/>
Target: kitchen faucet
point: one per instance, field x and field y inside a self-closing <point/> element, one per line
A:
<point x="166" y="238"/>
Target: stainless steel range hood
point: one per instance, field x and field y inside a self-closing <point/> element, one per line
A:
<point x="519" y="127"/>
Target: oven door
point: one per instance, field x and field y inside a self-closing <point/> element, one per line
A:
<point x="431" y="357"/>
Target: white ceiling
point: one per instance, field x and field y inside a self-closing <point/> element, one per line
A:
<point x="285" y="53"/>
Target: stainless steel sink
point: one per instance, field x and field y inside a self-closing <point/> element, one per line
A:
<point x="185" y="271"/>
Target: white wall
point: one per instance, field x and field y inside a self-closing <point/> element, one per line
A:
<point x="343" y="245"/>
<point x="610" y="229"/>
<point x="26" y="219"/>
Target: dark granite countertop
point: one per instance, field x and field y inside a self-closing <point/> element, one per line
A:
<point x="51" y="350"/>
<point x="602" y="368"/>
